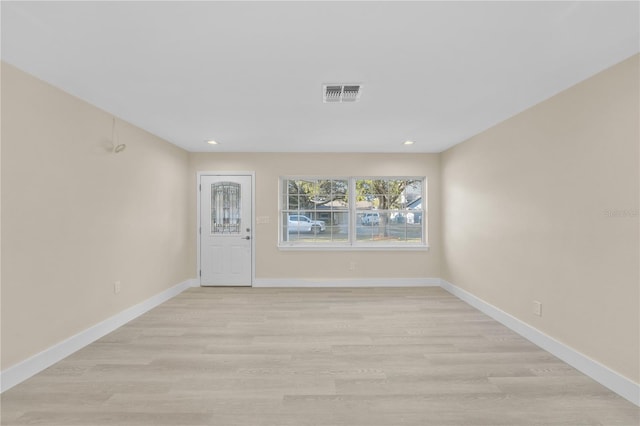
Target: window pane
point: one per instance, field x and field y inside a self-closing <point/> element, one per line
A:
<point x="292" y="202"/>
<point x="381" y="186"/>
<point x="339" y="232"/>
<point x="304" y="202"/>
<point x="292" y="187"/>
<point x="322" y="192"/>
<point x="340" y="186"/>
<point x="413" y="195"/>
<point x="365" y="232"/>
<point x="286" y="232"/>
<point x="365" y="188"/>
<point x="306" y="186"/>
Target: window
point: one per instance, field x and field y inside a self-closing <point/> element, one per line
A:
<point x="348" y="212"/>
<point x="315" y="211"/>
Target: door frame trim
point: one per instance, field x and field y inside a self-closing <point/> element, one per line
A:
<point x="253" y="218"/>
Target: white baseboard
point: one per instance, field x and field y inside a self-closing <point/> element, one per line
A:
<point x="598" y="372"/>
<point x="35" y="364"/>
<point x="339" y="282"/>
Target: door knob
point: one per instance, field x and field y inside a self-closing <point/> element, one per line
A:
<point x="246" y="238"/>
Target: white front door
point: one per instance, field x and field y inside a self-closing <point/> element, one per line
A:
<point x="226" y="230"/>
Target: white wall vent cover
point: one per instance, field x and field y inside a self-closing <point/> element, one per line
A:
<point x="339" y="92"/>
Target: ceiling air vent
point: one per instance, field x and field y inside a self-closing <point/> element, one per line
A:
<point x="337" y="93"/>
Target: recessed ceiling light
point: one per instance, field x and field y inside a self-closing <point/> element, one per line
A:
<point x="408" y="142"/>
<point x="212" y="142"/>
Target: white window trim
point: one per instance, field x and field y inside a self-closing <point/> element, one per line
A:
<point x="351" y="244"/>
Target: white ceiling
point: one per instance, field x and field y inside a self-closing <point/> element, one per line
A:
<point x="249" y="74"/>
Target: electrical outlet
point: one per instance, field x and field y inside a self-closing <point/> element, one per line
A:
<point x="352" y="266"/>
<point x="116" y="287"/>
<point x="537" y="308"/>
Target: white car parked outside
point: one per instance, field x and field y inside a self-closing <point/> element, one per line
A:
<point x="370" y="219"/>
<point x="299" y="223"/>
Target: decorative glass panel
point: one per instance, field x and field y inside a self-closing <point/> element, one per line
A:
<point x="225" y="208"/>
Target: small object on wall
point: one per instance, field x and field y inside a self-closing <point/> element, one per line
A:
<point x="537" y="308"/>
<point x="117" y="148"/>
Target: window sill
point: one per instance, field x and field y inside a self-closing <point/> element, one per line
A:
<point x="388" y="247"/>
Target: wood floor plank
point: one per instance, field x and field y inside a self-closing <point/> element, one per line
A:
<point x="313" y="357"/>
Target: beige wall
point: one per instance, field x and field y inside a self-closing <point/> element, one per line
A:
<point x="76" y="217"/>
<point x="526" y="208"/>
<point x="274" y="263"/>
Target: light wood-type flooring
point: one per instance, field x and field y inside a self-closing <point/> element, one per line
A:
<point x="302" y="357"/>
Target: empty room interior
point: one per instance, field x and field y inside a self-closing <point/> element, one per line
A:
<point x="320" y="213"/>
